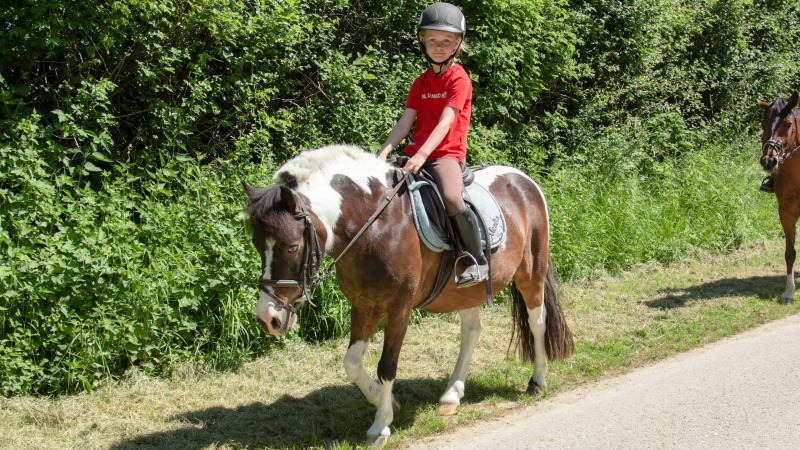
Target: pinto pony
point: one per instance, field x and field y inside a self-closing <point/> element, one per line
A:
<point x="346" y="203"/>
<point x="780" y="138"/>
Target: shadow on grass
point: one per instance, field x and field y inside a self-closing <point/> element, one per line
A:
<point x="327" y="416"/>
<point x="766" y="288"/>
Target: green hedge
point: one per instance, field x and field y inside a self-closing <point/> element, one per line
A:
<point x="126" y="126"/>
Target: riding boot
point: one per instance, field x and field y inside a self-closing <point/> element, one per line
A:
<point x="465" y="225"/>
<point x="768" y="184"/>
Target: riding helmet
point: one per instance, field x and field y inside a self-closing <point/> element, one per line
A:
<point x="443" y="16"/>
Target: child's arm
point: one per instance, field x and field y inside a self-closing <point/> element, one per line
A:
<point x="398" y="133"/>
<point x="437" y="135"/>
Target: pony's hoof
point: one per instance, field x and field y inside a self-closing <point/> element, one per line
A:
<point x="447" y="409"/>
<point x="533" y="388"/>
<point x="377" y="441"/>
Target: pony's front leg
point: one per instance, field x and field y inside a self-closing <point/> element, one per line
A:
<point x="788" y="223"/>
<point x="354" y="367"/>
<point x="379" y="432"/>
<point x="377" y="394"/>
<point x="470" y="332"/>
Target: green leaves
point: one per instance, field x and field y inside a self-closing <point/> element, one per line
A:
<point x="126" y="126"/>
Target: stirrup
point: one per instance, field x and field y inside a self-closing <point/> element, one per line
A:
<point x="473" y="274"/>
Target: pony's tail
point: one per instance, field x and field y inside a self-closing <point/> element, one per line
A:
<point x="558" y="340"/>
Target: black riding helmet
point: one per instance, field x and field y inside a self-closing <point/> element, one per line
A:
<point x="442" y="16"/>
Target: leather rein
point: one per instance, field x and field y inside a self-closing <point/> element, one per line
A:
<point x="313" y="255"/>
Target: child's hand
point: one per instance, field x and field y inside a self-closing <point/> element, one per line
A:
<point x="414" y="164"/>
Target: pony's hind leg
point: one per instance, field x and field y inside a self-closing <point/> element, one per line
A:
<point x="470" y="332"/>
<point x="530" y="320"/>
<point x="537" y="318"/>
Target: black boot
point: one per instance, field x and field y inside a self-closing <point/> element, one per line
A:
<point x="465" y="225"/>
<point x="768" y="184"/>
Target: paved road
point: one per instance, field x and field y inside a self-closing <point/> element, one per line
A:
<point x="739" y="393"/>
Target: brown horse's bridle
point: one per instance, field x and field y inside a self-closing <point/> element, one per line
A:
<point x="312" y="255"/>
<point x="311" y="259"/>
<point x="776" y="145"/>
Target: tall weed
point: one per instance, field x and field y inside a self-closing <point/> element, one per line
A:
<point x="606" y="215"/>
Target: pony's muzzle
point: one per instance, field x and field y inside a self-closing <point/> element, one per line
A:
<point x="275" y="321"/>
<point x="769" y="163"/>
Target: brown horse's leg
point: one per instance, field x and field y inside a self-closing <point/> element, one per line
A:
<point x="470" y="332"/>
<point x="788" y="222"/>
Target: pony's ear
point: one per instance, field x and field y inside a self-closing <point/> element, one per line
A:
<point x="291" y="200"/>
<point x="792" y="101"/>
<point x="762" y="104"/>
<point x="249" y="190"/>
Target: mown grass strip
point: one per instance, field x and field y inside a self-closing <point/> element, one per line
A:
<point x="300" y="398"/>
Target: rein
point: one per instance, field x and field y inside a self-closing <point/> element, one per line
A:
<point x="313" y="255"/>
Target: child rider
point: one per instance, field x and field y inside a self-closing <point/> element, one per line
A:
<point x="438" y="107"/>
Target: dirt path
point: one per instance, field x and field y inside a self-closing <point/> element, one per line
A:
<point x="739" y="393"/>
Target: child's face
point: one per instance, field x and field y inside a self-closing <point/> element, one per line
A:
<point x="440" y="44"/>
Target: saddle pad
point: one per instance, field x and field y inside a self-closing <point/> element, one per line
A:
<point x="476" y="196"/>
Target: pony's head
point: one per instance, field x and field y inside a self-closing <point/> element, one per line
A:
<point x="778" y="131"/>
<point x="285" y="237"/>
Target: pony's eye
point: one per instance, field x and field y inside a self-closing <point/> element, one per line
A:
<point x="293" y="249"/>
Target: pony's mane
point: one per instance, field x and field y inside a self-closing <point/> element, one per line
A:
<point x="778" y="106"/>
<point x="326" y="161"/>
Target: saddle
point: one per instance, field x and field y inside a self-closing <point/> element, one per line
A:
<point x="435" y="230"/>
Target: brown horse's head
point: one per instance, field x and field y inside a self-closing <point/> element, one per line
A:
<point x="779" y="133"/>
<point x="286" y="239"/>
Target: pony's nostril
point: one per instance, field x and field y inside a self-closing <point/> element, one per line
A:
<point x="276" y="324"/>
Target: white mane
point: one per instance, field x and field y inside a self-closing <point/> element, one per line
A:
<point x="313" y="170"/>
<point x="317" y="167"/>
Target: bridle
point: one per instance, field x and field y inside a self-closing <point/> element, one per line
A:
<point x="775" y="145"/>
<point x="312" y="255"/>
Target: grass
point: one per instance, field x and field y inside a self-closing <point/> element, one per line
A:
<point x="299" y="397"/>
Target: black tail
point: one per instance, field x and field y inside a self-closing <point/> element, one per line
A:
<point x="559" y="343"/>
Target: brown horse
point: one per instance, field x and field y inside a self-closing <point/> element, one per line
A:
<point x="319" y="206"/>
<point x="780" y="138"/>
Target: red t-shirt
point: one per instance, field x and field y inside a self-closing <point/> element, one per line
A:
<point x="428" y="96"/>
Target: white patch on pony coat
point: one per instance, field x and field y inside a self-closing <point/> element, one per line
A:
<point x="788" y="294"/>
<point x="264" y="302"/>
<point x="385" y="414"/>
<point x="354" y="368"/>
<point x="315" y="169"/>
<point x="470" y="332"/>
<point x="536" y="320"/>
<point x="487" y="176"/>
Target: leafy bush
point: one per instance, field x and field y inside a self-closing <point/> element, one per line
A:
<point x="126" y="126"/>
